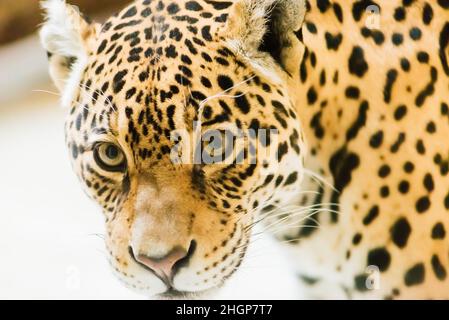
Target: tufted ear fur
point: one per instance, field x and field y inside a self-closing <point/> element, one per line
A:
<point x="66" y="36"/>
<point x="258" y="29"/>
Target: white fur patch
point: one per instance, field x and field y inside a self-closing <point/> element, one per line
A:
<point x="62" y="35"/>
<point x="265" y="65"/>
<point x="62" y="32"/>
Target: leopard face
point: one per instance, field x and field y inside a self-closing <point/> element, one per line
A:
<point x="144" y="92"/>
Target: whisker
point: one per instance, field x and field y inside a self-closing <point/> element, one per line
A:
<point x="46" y="91"/>
<point x="290" y="213"/>
<point x="276" y="224"/>
<point x="319" y="179"/>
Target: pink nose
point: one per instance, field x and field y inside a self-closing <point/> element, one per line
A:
<point x="164" y="266"/>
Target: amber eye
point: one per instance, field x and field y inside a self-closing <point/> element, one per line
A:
<point x="110" y="157"/>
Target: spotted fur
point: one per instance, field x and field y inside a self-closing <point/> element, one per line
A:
<point x="371" y="102"/>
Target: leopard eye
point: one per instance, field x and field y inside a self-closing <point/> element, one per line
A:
<point x="110" y="157"/>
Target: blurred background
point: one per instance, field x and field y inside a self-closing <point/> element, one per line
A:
<point x="50" y="233"/>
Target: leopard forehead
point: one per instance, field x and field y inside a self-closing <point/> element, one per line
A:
<point x="154" y="66"/>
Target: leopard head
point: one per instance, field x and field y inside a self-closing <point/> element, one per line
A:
<point x="182" y="127"/>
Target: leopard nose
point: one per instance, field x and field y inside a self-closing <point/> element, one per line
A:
<point x="166" y="267"/>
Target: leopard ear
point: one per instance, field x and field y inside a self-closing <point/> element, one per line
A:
<point x="66" y="36"/>
<point x="257" y="28"/>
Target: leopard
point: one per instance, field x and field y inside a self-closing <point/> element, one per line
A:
<point x="327" y="119"/>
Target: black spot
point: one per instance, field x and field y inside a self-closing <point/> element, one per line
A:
<point x="160" y="6"/>
<point x="312" y="96"/>
<point x="205" y="32"/>
<point x="75" y="151"/>
<point x="379" y="257"/>
<point x="359" y="123"/>
<point x="130" y="13"/>
<point x="446" y="202"/>
<point x="423" y="204"/>
<point x="309" y="280"/>
<point x="404" y="187"/>
<point x="338" y="12"/>
<point x="428" y="182"/>
<point x="316" y="125"/>
<point x="378" y="37"/>
<point x="384" y="171"/>
<point x="391" y="79"/>
<point x="341" y="165"/>
<point x="400" y="232"/>
<point x="130" y="93"/>
<point x="222" y="61"/>
<point x="171" y="52"/>
<point x="219" y="5"/>
<point x="427" y="15"/>
<point x="99" y="69"/>
<point x="311" y="27"/>
<point x="397" y="144"/>
<point x="405" y="64"/>
<point x="397" y="39"/>
<point x="333" y="41"/>
<point x="303" y="66"/>
<point x="444" y="3"/>
<point x="186" y="59"/>
<point x="118" y="81"/>
<point x="225" y="82"/>
<point x="384" y="191"/>
<point x="127" y="24"/>
<point x="173" y="8"/>
<point x="400" y="112"/>
<point x="323" y="5"/>
<point x="356" y="239"/>
<point x="191" y="47"/>
<point x="352" y="92"/>
<point x="357" y="63"/>
<point x="399" y="14"/>
<point x="438" y="231"/>
<point x="198" y="96"/>
<point x="102" y="46"/>
<point x="420" y="147"/>
<point x="360" y="282"/>
<point x="376" y="139"/>
<point x="431" y="127"/>
<point x="242" y="103"/>
<point x="182" y="80"/>
<point x="444" y="42"/>
<point x="415" y="34"/>
<point x="438" y="268"/>
<point x="175" y="34"/>
<point x="291" y="179"/>
<point x="146" y="12"/>
<point x="409" y="167"/>
<point x="373" y="213"/>
<point x="205" y="82"/>
<point x="282" y="150"/>
<point x="415" y="275"/>
<point x="193" y="6"/>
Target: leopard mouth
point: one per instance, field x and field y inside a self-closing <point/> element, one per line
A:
<point x="173" y="294"/>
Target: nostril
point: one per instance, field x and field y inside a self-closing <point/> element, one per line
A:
<point x="185" y="261"/>
<point x="167" y="266"/>
<point x="131" y="253"/>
